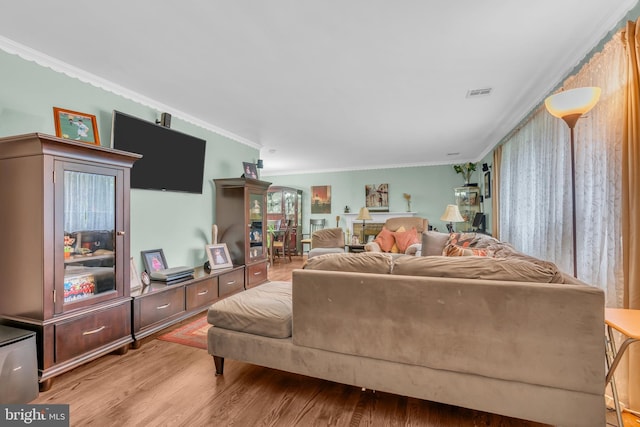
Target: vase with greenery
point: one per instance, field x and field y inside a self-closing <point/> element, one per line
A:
<point x="466" y="169"/>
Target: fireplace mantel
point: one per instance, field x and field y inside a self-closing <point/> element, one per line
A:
<point x="377" y="217"/>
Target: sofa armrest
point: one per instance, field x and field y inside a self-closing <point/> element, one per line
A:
<point x="414" y="249"/>
<point x="372" y="247"/>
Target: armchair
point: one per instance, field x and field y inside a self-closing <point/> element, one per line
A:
<point x="391" y="226"/>
<point x="326" y="241"/>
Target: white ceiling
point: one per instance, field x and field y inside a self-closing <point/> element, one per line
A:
<point x="324" y="85"/>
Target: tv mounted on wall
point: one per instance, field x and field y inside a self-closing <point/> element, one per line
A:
<point x="171" y="160"/>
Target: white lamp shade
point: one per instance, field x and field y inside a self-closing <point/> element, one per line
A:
<point x="452" y="214"/>
<point x="573" y="101"/>
<point x="364" y="215"/>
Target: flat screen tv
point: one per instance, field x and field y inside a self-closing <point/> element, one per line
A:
<point x="171" y="160"/>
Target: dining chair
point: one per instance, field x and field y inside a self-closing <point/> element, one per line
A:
<point x="280" y="244"/>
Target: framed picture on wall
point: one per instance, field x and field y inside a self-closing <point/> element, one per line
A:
<point x="76" y="126"/>
<point x="321" y="199"/>
<point x="487" y="184"/>
<point x="377" y="197"/>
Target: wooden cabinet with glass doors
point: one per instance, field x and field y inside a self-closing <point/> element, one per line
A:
<point x="468" y="201"/>
<point x="65" y="266"/>
<point x="284" y="205"/>
<point x="242" y="221"/>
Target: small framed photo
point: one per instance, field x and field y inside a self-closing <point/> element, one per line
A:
<point x="218" y="256"/>
<point x="135" y="282"/>
<point x="153" y="260"/>
<point x="76" y="126"/>
<point x="250" y="170"/>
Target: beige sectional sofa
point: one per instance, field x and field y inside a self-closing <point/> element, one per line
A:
<point x="502" y="335"/>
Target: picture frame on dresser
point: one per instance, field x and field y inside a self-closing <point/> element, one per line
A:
<point x="153" y="260"/>
<point x="76" y="126"/>
<point x="218" y="256"/>
<point x="135" y="281"/>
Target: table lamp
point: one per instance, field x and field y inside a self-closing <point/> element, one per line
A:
<point x="363" y="216"/>
<point x="451" y="214"/>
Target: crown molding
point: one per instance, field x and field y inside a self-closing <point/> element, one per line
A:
<point x="58" y="66"/>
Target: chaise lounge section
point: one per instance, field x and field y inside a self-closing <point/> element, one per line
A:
<point x="508" y="337"/>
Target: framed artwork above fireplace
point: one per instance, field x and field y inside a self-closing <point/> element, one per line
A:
<point x="377" y="197"/>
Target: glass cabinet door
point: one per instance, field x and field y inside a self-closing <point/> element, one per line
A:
<point x="274" y="202"/>
<point x="289" y="205"/>
<point x="468" y="201"/>
<point x="256" y="220"/>
<point x="88" y="223"/>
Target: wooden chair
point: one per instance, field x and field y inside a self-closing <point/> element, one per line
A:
<point x="314" y="225"/>
<point x="280" y="243"/>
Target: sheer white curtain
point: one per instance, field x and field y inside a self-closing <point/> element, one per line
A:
<point x="535" y="180"/>
<point x="89" y="202"/>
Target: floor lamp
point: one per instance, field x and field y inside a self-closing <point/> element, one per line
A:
<point x="570" y="105"/>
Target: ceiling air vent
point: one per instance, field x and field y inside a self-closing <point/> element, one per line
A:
<point x="474" y="93"/>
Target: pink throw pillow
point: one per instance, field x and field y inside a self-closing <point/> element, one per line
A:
<point x="404" y="239"/>
<point x="385" y="240"/>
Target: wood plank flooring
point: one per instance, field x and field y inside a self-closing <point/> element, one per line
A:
<point x="168" y="384"/>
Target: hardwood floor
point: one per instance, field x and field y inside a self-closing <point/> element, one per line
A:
<point x="168" y="384"/>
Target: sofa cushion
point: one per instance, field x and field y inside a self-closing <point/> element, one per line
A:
<point x="505" y="269"/>
<point x="385" y="239"/>
<point x="404" y="239"/>
<point x="364" y="262"/>
<point x="433" y="242"/>
<point x="264" y="310"/>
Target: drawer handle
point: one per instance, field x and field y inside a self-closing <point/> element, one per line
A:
<point x="95" y="331"/>
<point x="160" y="307"/>
<point x="206" y="291"/>
<point x="233" y="282"/>
<point x="257" y="273"/>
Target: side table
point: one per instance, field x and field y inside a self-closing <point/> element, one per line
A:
<point x="627" y="322"/>
<point x="355" y="248"/>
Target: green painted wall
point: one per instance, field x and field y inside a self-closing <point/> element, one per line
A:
<point x="179" y="223"/>
<point x="431" y="189"/>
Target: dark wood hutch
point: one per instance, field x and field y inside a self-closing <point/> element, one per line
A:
<point x="65" y="268"/>
<point x="242" y="223"/>
<point x="285" y="204"/>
